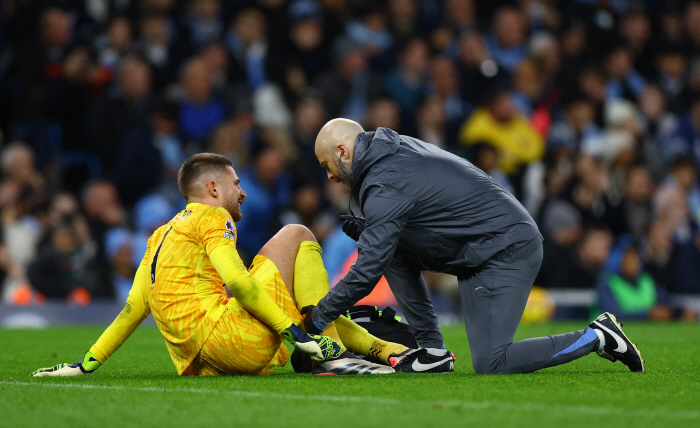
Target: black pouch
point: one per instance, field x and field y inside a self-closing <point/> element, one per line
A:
<point x="383" y="324"/>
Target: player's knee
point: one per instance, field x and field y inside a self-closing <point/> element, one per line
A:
<point x="485" y="366"/>
<point x="298" y="232"/>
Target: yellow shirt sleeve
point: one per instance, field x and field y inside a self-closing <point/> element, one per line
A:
<point x="218" y="234"/>
<point x="134" y="312"/>
<point x="246" y="289"/>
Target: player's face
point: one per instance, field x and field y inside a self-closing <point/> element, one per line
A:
<point x="232" y="193"/>
<point x="337" y="171"/>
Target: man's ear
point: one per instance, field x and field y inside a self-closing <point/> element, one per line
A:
<point x="342" y="151"/>
<point x="212" y="188"/>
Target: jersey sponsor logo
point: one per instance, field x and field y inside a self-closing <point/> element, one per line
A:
<point x="184" y="216"/>
<point x="621" y="345"/>
<point x="420" y="367"/>
<point x="230" y="236"/>
<point x="376" y="349"/>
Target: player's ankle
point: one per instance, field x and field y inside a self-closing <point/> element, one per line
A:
<point x="389" y="349"/>
<point x="601" y="338"/>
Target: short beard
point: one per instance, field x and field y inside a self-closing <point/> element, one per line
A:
<point x="234" y="210"/>
<point x="345" y="174"/>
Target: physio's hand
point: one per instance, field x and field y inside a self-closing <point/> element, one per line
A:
<point x="353" y="226"/>
<point x="87" y="365"/>
<point x="311" y="326"/>
<point x="319" y="348"/>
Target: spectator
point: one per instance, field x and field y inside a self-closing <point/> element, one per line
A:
<point x="499" y="124"/>
<point x="18" y="167"/>
<point x="67" y="267"/>
<point x="383" y="112"/>
<point x="623" y="81"/>
<point x="309" y="117"/>
<point x="476" y="66"/>
<point x="485" y="157"/>
<point x="346" y="91"/>
<point x="247" y="43"/>
<point x="118" y="247"/>
<point x="672" y="71"/>
<point x="159" y="45"/>
<point x="657" y="125"/>
<point x="150" y="213"/>
<point x="431" y="122"/>
<point x="686" y="140"/>
<point x="306" y="55"/>
<point x="611" y="89"/>
<point x="637" y="202"/>
<point x="506" y="42"/>
<point x="370" y="31"/>
<point x="200" y="110"/>
<point x="580" y="266"/>
<point x="114" y="44"/>
<point x="403" y="20"/>
<point x="269" y="190"/>
<point x="408" y="82"/>
<point x="635" y="31"/>
<point x="103" y="208"/>
<point x="228" y="139"/>
<point x="589" y="193"/>
<point x="626" y="289"/>
<point x="576" y="130"/>
<point x="683" y="175"/>
<point x="151" y="155"/>
<point x="460" y="15"/>
<point x="444" y="82"/>
<point x="110" y="118"/>
<point x="203" y="22"/>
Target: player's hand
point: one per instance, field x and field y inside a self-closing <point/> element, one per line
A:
<point x="87" y="365"/>
<point x="311" y="326"/>
<point x="319" y="348"/>
<point x="353" y="226"/>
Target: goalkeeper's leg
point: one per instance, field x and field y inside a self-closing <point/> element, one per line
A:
<point x="297" y="255"/>
<point x="283" y="250"/>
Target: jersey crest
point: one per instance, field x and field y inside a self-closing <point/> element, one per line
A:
<point x="231" y="234"/>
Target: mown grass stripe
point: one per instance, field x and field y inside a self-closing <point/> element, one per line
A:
<point x="532" y="407"/>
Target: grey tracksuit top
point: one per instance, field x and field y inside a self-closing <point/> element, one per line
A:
<point x="430" y="207"/>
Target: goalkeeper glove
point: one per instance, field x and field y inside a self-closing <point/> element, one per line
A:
<point x="87" y="365"/>
<point x="320" y="348"/>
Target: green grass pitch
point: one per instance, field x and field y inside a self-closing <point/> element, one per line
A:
<point x="138" y="386"/>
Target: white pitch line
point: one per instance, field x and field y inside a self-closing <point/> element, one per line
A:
<point x="680" y="414"/>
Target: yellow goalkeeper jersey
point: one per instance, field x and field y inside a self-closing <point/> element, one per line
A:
<point x="178" y="283"/>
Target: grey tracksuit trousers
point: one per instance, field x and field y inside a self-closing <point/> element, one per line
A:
<point x="493" y="300"/>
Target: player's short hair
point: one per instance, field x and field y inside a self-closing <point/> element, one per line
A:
<point x="197" y="165"/>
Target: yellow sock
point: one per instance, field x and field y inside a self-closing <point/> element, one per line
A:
<point x="358" y="340"/>
<point x="311" y="282"/>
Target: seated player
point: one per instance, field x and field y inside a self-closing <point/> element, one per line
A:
<point x="237" y="328"/>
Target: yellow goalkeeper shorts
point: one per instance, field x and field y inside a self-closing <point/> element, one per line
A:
<point x="241" y="344"/>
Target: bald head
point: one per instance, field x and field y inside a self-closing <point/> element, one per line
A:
<point x="335" y="145"/>
<point x="335" y="132"/>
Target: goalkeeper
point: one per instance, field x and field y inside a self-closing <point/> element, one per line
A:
<point x="238" y="328"/>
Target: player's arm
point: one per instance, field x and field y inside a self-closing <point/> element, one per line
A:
<point x="386" y="212"/>
<point x="246" y="289"/>
<point x="219" y="239"/>
<point x="134" y="312"/>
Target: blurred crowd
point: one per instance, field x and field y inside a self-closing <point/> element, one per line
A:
<point x="587" y="110"/>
